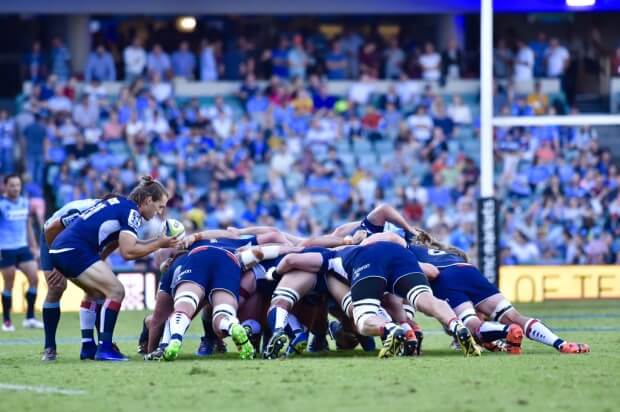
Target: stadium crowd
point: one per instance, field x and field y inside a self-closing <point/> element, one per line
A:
<point x="291" y="155"/>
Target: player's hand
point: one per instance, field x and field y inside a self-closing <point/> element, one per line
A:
<point x="56" y="280"/>
<point x="358" y="236"/>
<point x="234" y="230"/>
<point x="188" y="241"/>
<point x="170" y="242"/>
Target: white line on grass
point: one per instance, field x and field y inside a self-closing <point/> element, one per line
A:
<point x="41" y="389"/>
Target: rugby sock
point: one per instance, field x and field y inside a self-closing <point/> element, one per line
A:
<point x="276" y="318"/>
<point x="208" y="329"/>
<point x="31" y="297"/>
<point x="51" y="317"/>
<point x="255" y="328"/>
<point x="491" y="331"/>
<point x="536" y="330"/>
<point x="453" y="324"/>
<point x="179" y="322"/>
<point x="7" y="301"/>
<point x="144" y="335"/>
<point x="165" y="338"/>
<point x="293" y="325"/>
<point x="386" y="329"/>
<point x="109" y="315"/>
<point x="88" y="316"/>
<point x="99" y="305"/>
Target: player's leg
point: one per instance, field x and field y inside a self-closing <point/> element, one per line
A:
<point x="250" y="315"/>
<point x="346" y="229"/>
<point x="305" y="262"/>
<point x="491" y="335"/>
<point x="226" y="323"/>
<point x="415" y="288"/>
<point x="29" y="268"/>
<point x="289" y="291"/>
<point x="100" y="278"/>
<point x="56" y="286"/>
<point x="164" y="306"/>
<point x="8" y="277"/>
<point x="499" y="309"/>
<point x="394" y="306"/>
<point x="187" y="298"/>
<point x="88" y="323"/>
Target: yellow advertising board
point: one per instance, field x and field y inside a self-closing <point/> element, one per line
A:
<point x="140" y="292"/>
<point x="540" y="283"/>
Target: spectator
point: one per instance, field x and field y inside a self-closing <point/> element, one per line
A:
<point x="351" y="43"/>
<point x="279" y="58"/>
<point x="538" y="100"/>
<point x="7" y="142"/>
<point x="420" y="124"/>
<point x="539" y="47"/>
<point x="60" y="59"/>
<point x="523" y="249"/>
<point x="34" y="64"/>
<point x="161" y="90"/>
<point x="615" y="63"/>
<point x="394" y="59"/>
<point x="430" y="62"/>
<point x="134" y="57"/>
<point x="336" y="62"/>
<point x="158" y="62"/>
<point x="35" y="137"/>
<point x="452" y="61"/>
<point x="557" y="57"/>
<point x="100" y="66"/>
<point x="297" y="59"/>
<point x="360" y="91"/>
<point x="86" y="112"/>
<point x="208" y="63"/>
<point x="524" y="63"/>
<point x="59" y="102"/>
<point x="233" y="60"/>
<point x="502" y="60"/>
<point x="458" y="111"/>
<point x="184" y="62"/>
<point x="370" y="60"/>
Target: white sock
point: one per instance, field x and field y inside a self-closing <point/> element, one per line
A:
<point x="492" y="331"/>
<point x="88" y="317"/>
<point x="536" y="330"/>
<point x="247" y="257"/>
<point x="179" y="322"/>
<point x="281" y="318"/>
<point x="165" y="338"/>
<point x="294" y="323"/>
<point x="270" y="252"/>
<point x="453" y="324"/>
<point x="227" y="322"/>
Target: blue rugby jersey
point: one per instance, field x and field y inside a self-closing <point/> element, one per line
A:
<point x="14" y="223"/>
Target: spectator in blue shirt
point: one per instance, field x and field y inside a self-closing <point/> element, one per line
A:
<point x="184" y="62"/>
<point x="279" y="59"/>
<point x="60" y="58"/>
<point x="100" y="66"/>
<point x="35" y="135"/>
<point x="336" y="62"/>
<point x="34" y="63"/>
<point x="158" y="61"/>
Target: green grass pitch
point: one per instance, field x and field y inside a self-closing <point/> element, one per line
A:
<point x="441" y="380"/>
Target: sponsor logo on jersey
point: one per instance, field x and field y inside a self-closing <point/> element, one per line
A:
<point x="134" y="220"/>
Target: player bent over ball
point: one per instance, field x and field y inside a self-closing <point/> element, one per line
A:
<point x="79" y="252"/>
<point x="213" y="274"/>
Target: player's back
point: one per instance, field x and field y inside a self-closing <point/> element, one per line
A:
<point x="69" y="212"/>
<point x="101" y="224"/>
<point x="13" y="223"/>
<point x="438" y="258"/>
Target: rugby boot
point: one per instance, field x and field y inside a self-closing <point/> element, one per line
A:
<point x="88" y="351"/>
<point x="574" y="348"/>
<point x="49" y="355"/>
<point x="156" y="355"/>
<point x="240" y="337"/>
<point x="206" y="347"/>
<point x="172" y="350"/>
<point x="318" y="343"/>
<point x="513" y="339"/>
<point x="466" y="341"/>
<point x="298" y="344"/>
<point x="108" y="353"/>
<point x="279" y="339"/>
<point x="393" y="342"/>
<point x="410" y="348"/>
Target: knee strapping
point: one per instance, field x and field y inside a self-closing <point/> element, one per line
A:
<point x="468" y="315"/>
<point x="188" y="297"/>
<point x="225" y="310"/>
<point x="363" y="310"/>
<point x="287" y="294"/>
<point x="415" y="293"/>
<point x="503" y="307"/>
<point x="410" y="311"/>
<point x="346" y="303"/>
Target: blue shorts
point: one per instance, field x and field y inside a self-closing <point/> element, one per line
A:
<point x="168" y="278"/>
<point x="462" y="283"/>
<point x="14" y="257"/>
<point x="370" y="227"/>
<point x="213" y="269"/>
<point x="383" y="260"/>
<point x="44" y="254"/>
<point x="72" y="262"/>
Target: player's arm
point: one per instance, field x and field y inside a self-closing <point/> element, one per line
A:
<point x="386" y="213"/>
<point x="108" y="249"/>
<point x="132" y="248"/>
<point x="207" y="235"/>
<point x="384" y="237"/>
<point x="52" y="230"/>
<point x="252" y="230"/>
<point x="345" y="229"/>
<point x="429" y="270"/>
<point x="330" y="241"/>
<point x="307" y="262"/>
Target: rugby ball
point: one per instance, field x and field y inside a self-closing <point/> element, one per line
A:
<point x="174" y="228"/>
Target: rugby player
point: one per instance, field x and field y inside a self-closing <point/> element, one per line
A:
<point x="208" y="274"/>
<point x="17" y="250"/>
<point x="56" y="283"/>
<point x="467" y="291"/>
<point x="78" y="252"/>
